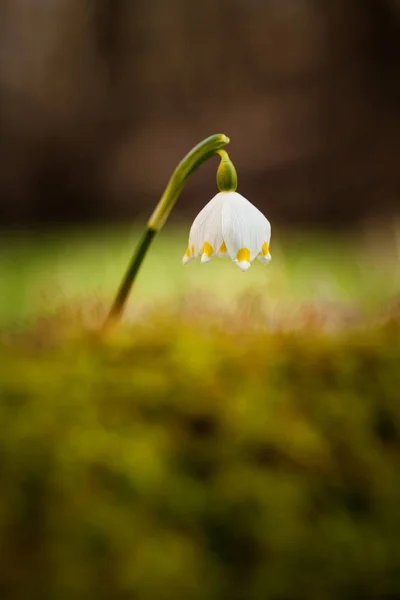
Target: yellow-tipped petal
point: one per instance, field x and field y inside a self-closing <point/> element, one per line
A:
<point x="265" y="248"/>
<point x="187" y="256"/>
<point x="207" y="228"/>
<point x="243" y="259"/>
<point x="207" y="252"/>
<point x="243" y="255"/>
<point x="223" y="249"/>
<point x="264" y="256"/>
<point x="243" y="264"/>
<point x="243" y="226"/>
<point x="208" y="249"/>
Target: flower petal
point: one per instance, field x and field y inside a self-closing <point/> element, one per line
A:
<point x="243" y="259"/>
<point x="207" y="227"/>
<point x="264" y="255"/>
<point x="207" y="253"/>
<point x="187" y="256"/>
<point x="222" y="250"/>
<point x="242" y="264"/>
<point x="264" y="259"/>
<point x="243" y="226"/>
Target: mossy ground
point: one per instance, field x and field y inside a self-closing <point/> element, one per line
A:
<point x="236" y="438"/>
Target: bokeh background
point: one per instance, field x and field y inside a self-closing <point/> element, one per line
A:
<point x="99" y="99"/>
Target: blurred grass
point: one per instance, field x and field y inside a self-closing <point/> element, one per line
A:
<point x="43" y="271"/>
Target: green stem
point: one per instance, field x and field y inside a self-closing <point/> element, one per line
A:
<point x="192" y="161"/>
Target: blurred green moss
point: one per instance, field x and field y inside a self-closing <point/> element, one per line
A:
<point x="191" y="462"/>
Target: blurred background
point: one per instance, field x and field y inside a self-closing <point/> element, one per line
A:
<point x="100" y="99"/>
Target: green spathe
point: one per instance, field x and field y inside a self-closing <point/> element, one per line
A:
<point x="226" y="174"/>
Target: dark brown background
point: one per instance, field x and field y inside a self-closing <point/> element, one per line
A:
<point x="101" y="98"/>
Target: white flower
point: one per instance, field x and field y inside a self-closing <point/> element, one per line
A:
<point x="229" y="225"/>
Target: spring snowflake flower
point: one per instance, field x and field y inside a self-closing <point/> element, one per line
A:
<point x="229" y="225"/>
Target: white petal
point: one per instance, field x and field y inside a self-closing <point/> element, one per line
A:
<point x="207" y="226"/>
<point x="186" y="259"/>
<point x="265" y="259"/>
<point x="243" y="226"/>
<point x="243" y="264"/>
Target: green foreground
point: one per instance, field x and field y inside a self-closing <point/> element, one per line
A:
<point x="238" y="439"/>
<point x="182" y="461"/>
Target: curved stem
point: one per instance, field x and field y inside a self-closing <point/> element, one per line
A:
<point x="196" y="157"/>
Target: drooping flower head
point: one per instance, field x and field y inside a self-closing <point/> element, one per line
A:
<point x="229" y="225"/>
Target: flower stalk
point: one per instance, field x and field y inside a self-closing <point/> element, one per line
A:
<point x="190" y="163"/>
